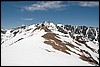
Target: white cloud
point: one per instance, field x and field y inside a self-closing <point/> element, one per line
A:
<point x="27" y="19"/>
<point x="89" y="3"/>
<point x="84" y="3"/>
<point x="45" y="5"/>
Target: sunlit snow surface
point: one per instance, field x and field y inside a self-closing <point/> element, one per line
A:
<point x="32" y="51"/>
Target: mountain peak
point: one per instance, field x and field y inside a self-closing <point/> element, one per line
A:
<point x="77" y="42"/>
<point x="49" y="24"/>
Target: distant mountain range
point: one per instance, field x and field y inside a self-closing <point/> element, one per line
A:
<point x="49" y="44"/>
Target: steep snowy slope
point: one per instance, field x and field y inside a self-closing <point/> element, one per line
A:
<point x="50" y="44"/>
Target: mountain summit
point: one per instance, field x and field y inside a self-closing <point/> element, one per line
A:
<point x="49" y="44"/>
<point x="49" y="25"/>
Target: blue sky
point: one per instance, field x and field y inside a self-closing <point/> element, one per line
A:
<point x="65" y="12"/>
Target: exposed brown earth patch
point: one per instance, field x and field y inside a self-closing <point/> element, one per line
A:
<point x="55" y="43"/>
<point x="57" y="47"/>
<point x="83" y="55"/>
<point x="52" y="39"/>
<point x="62" y="46"/>
<point x="88" y="58"/>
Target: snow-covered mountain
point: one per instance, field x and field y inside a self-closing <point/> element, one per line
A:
<point x="49" y="44"/>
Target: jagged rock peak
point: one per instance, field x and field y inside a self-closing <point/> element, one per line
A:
<point x="49" y="25"/>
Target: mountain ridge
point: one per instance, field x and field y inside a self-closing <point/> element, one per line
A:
<point x="79" y="40"/>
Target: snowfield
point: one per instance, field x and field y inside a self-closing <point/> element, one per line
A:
<point x="30" y="46"/>
<point x="31" y="52"/>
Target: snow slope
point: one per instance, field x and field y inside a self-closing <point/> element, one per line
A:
<point x="45" y="44"/>
<point x="32" y="51"/>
